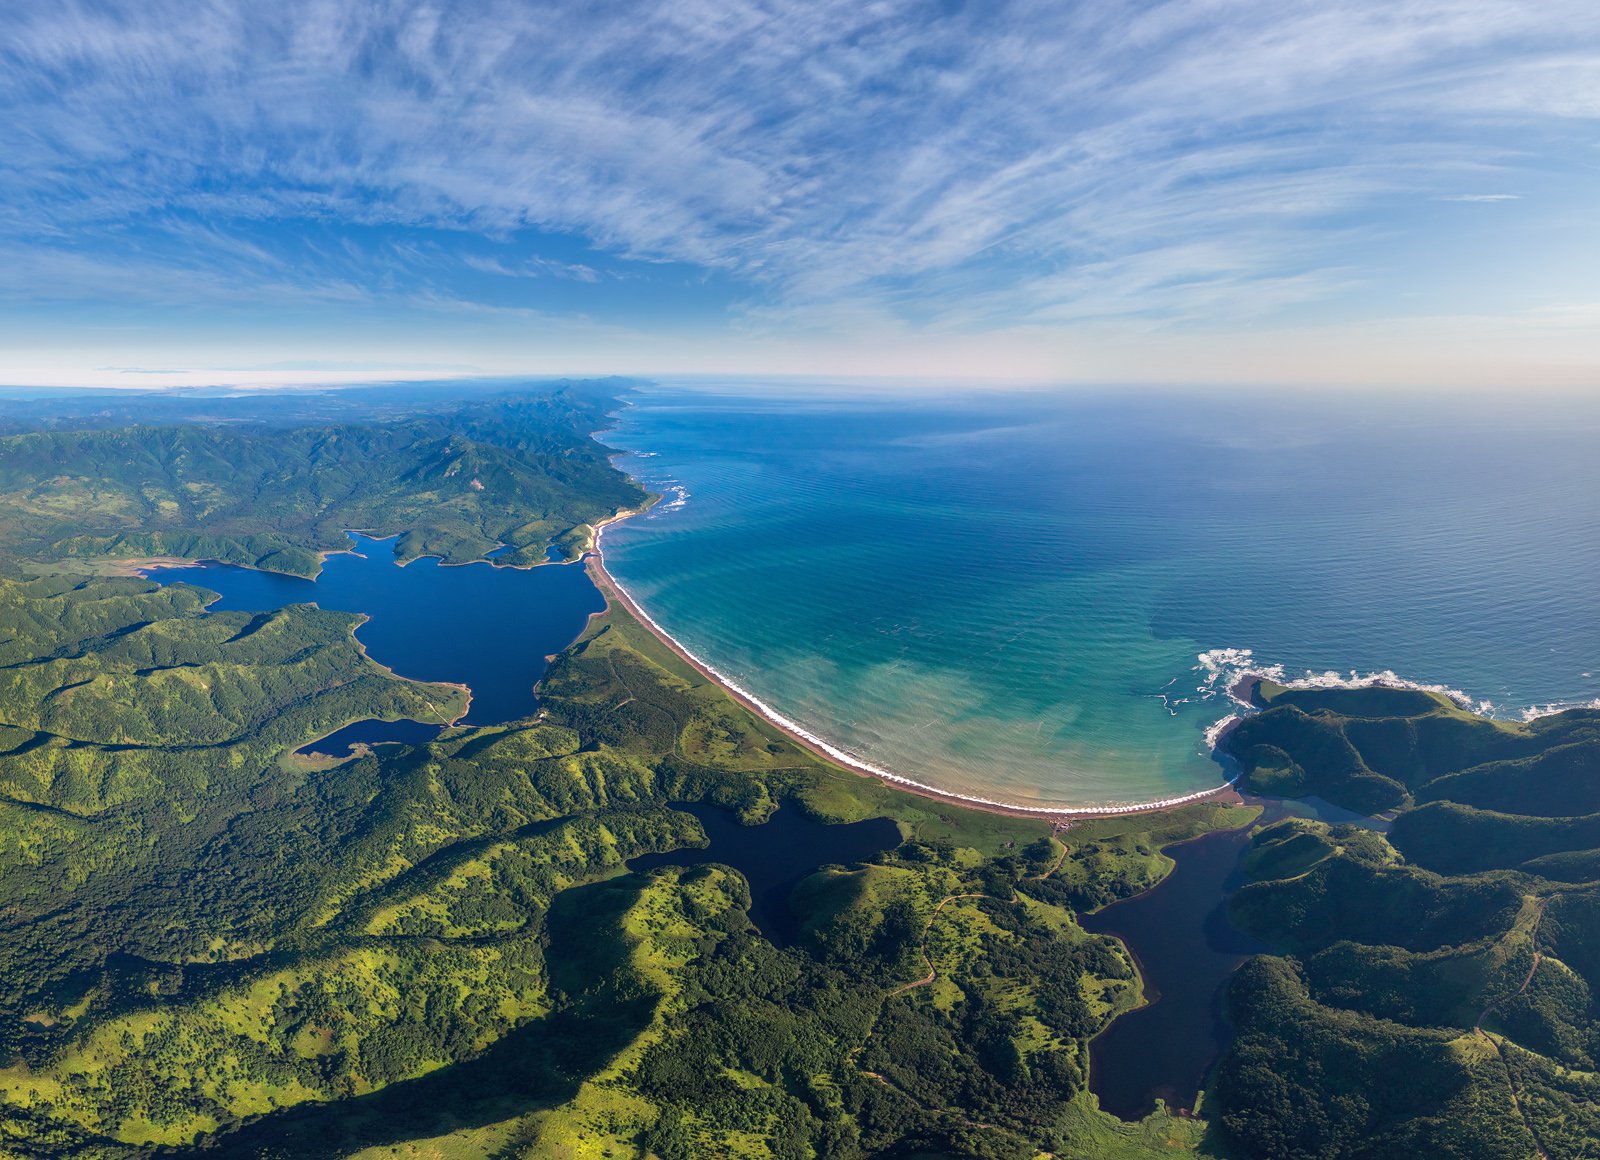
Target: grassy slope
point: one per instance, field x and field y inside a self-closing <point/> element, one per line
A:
<point x="418" y="877"/>
<point x="1476" y="911"/>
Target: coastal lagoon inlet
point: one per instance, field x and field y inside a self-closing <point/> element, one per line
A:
<point x="489" y="628"/>
<point x="1185" y="947"/>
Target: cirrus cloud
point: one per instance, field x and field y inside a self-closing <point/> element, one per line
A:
<point x="927" y="163"/>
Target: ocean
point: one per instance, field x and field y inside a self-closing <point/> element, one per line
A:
<point x="1040" y="598"/>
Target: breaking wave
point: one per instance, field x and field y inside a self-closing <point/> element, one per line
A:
<point x="1224" y="672"/>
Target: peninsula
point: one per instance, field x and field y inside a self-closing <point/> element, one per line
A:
<point x="498" y="938"/>
<point x="221" y="945"/>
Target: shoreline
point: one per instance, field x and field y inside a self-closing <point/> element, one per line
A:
<point x="612" y="590"/>
<point x="156" y="563"/>
<point x="369" y="658"/>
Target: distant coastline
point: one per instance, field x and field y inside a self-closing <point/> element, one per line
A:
<point x="613" y="590"/>
<point x="843" y="571"/>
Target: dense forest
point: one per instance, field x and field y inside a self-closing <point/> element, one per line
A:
<point x="262" y="486"/>
<point x="1436" y="991"/>
<point x="215" y="945"/>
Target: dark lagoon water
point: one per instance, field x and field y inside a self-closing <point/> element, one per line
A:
<point x="1010" y="596"/>
<point x="489" y="628"/>
<point x="1186" y="948"/>
<point x="776" y="855"/>
<point x="341" y="742"/>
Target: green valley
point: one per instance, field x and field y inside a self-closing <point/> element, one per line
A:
<point x="216" y="944"/>
<point x="1436" y="995"/>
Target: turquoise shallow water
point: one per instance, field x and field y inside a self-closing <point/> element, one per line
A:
<point x="1009" y="596"/>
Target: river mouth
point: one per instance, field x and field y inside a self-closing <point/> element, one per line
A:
<point x="489" y="628"/>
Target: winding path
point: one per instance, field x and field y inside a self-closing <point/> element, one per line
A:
<point x="1511" y="1084"/>
<point x="932" y="974"/>
<point x="949" y="898"/>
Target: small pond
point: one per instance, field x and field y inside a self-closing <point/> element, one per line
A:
<point x="776" y="855"/>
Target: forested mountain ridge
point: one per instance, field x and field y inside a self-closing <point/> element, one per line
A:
<point x="212" y="943"/>
<point x="440" y="939"/>
<point x="520" y="470"/>
<point x="1438" y="994"/>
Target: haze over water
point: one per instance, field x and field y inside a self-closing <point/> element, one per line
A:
<point x="1006" y="596"/>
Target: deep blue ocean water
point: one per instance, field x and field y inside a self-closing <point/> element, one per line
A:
<point x="1009" y="595"/>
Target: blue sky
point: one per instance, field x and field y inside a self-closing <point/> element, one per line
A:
<point x="1206" y="190"/>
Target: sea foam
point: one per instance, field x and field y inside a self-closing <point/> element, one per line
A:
<point x="1223" y="670"/>
<point x="855" y="761"/>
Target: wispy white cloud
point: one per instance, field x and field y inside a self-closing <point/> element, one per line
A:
<point x="532" y="267"/>
<point x="953" y="165"/>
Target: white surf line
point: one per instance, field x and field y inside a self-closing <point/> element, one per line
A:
<point x="845" y="757"/>
<point x="1534" y="712"/>
<point x="1222" y="669"/>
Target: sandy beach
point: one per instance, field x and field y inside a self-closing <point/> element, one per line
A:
<point x="594" y="561"/>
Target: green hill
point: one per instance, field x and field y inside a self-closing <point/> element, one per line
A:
<point x="213" y="945"/>
<point x="515" y="470"/>
<point x="1438" y="995"/>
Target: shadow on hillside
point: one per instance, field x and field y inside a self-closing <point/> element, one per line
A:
<point x="536" y="1066"/>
